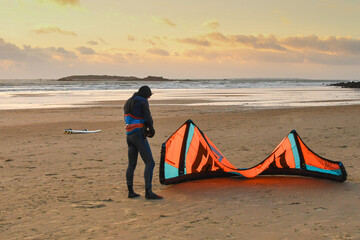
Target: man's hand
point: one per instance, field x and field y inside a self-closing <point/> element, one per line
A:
<point x="150" y="133"/>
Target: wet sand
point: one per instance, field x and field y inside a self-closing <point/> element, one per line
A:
<point x="242" y="97"/>
<point x="64" y="186"/>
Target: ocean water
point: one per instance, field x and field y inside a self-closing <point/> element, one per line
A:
<point x="54" y="85"/>
<point x="244" y="93"/>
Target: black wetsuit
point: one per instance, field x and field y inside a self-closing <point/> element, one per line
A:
<point x="138" y="106"/>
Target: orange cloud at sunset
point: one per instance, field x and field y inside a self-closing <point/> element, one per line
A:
<point x="195" y="41"/>
<point x="48" y="30"/>
<point x="65" y="2"/>
<point x="212" y="24"/>
<point x="158" y="51"/>
<point x="206" y="50"/>
<point x="165" y="21"/>
<point x="233" y="39"/>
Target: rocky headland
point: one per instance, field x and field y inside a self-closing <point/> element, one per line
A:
<point x="352" y="84"/>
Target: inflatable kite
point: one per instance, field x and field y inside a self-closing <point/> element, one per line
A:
<point x="189" y="154"/>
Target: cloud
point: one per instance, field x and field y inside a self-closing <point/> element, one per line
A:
<point x="217" y="36"/>
<point x="195" y="41"/>
<point x="149" y="41"/>
<point x="93" y="43"/>
<point x="158" y="51"/>
<point x="49" y="54"/>
<point x="67" y="2"/>
<point x="103" y="41"/>
<point x="252" y="41"/>
<point x="12" y="52"/>
<point x="212" y="24"/>
<point x="165" y="21"/>
<point x="8" y="66"/>
<point x="243" y="56"/>
<point x="86" y="50"/>
<point x="131" y="38"/>
<point x="340" y="45"/>
<point x="156" y="41"/>
<point x="206" y="54"/>
<point x="168" y="22"/>
<point x="330" y="45"/>
<point x="259" y="42"/>
<point x="331" y="59"/>
<point x="53" y="29"/>
<point x="333" y="52"/>
<point x="280" y="14"/>
<point x="270" y="48"/>
<point x="285" y="20"/>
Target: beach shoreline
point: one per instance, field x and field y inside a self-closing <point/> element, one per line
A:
<point x="64" y="186"/>
<point x="264" y="98"/>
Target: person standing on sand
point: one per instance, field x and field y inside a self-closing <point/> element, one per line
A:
<point x="139" y="126"/>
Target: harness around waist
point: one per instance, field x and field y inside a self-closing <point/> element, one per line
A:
<point x="133" y="122"/>
<point x="131" y="127"/>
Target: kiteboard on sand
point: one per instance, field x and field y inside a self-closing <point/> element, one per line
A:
<point x="70" y="131"/>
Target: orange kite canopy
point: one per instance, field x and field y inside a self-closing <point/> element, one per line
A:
<point x="189" y="154"/>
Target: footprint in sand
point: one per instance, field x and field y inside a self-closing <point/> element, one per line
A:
<point x="90" y="204"/>
<point x="320" y="208"/>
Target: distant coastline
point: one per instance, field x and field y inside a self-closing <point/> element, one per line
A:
<point x="110" y="78"/>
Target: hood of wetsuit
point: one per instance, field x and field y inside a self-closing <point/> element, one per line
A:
<point x="144" y="92"/>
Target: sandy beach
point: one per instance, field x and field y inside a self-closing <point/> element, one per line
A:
<point x="246" y="73"/>
<point x="64" y="186"/>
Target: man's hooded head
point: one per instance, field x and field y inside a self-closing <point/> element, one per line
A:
<point x="144" y="92"/>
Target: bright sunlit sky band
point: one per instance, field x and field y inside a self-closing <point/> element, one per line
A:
<point x="181" y="39"/>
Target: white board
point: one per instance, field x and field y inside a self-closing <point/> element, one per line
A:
<point x="71" y="131"/>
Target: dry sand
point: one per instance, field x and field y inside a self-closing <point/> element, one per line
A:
<point x="61" y="186"/>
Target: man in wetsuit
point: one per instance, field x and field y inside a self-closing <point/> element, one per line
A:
<point x="139" y="126"/>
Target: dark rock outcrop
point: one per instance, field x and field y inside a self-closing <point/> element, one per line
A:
<point x="352" y="84"/>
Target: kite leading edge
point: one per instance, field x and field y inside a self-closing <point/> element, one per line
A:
<point x="189" y="154"/>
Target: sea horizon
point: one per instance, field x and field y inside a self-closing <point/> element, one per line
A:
<point x="247" y="93"/>
<point x="11" y="85"/>
<point x="193" y="79"/>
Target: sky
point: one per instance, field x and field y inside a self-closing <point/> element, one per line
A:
<point x="201" y="39"/>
